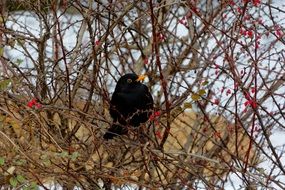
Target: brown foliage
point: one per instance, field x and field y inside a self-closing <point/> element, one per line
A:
<point x="192" y="150"/>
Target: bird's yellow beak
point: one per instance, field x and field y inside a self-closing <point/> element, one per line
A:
<point x="141" y="78"/>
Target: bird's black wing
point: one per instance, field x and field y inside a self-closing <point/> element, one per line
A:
<point x="148" y="98"/>
<point x="113" y="110"/>
<point x="120" y="106"/>
<point x="143" y="106"/>
<point x="132" y="107"/>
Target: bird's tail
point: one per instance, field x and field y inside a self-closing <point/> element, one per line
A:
<point x="115" y="130"/>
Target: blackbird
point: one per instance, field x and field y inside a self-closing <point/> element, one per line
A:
<point x="131" y="105"/>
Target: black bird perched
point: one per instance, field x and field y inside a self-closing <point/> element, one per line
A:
<point x="131" y="105"/>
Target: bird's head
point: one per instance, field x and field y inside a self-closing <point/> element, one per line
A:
<point x="128" y="82"/>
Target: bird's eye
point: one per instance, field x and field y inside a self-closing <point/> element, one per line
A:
<point x="129" y="81"/>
